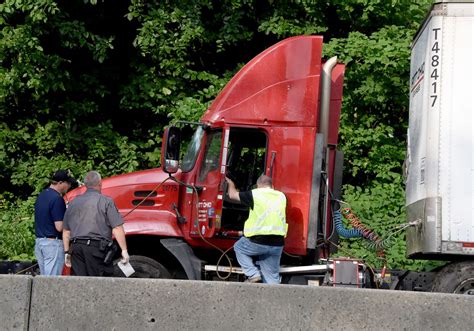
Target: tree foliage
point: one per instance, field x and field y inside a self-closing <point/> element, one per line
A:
<point x="91" y="84"/>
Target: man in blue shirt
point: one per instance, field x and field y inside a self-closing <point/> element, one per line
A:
<point x="49" y="214"/>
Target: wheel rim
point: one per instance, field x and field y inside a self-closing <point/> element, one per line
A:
<point x="466" y="287"/>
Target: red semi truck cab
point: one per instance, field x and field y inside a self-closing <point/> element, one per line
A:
<point x="279" y="116"/>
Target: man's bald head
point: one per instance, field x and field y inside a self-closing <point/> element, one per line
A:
<point x="264" y="181"/>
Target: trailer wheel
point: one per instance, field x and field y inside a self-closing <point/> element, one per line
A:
<point x="455" y="278"/>
<point x="145" y="267"/>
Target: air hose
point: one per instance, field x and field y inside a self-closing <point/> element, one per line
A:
<point x="341" y="230"/>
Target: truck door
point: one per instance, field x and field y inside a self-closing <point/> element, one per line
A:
<point x="208" y="182"/>
<point x="246" y="151"/>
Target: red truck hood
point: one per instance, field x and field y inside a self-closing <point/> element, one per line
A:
<point x="143" y="213"/>
<point x="118" y="187"/>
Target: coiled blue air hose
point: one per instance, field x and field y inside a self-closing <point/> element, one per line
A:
<point x="341" y="230"/>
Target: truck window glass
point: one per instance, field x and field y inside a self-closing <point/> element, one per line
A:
<point x="192" y="150"/>
<point x="210" y="162"/>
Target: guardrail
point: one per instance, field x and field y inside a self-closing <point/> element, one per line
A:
<point x="80" y="303"/>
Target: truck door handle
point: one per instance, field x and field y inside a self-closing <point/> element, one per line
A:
<point x="272" y="162"/>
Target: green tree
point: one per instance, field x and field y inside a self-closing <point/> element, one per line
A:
<point x="91" y="85"/>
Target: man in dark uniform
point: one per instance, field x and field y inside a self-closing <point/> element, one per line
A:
<point x="49" y="213"/>
<point x="89" y="223"/>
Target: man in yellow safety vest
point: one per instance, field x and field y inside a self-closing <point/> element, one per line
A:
<point x="264" y="231"/>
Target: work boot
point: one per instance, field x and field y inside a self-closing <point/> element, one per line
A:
<point x="254" y="279"/>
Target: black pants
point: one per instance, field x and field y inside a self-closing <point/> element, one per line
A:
<point x="88" y="260"/>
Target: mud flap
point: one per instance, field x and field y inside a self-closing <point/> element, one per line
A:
<point x="184" y="254"/>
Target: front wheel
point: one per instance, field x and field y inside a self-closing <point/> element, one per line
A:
<point x="145" y="267"/>
<point x="455" y="278"/>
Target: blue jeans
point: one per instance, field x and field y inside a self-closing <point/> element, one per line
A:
<point x="50" y="256"/>
<point x="268" y="260"/>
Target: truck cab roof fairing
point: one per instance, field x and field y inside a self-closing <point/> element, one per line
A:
<point x="274" y="87"/>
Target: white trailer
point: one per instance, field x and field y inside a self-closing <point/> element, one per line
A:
<point x="440" y="155"/>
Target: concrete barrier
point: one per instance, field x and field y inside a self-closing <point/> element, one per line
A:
<point x="15" y="294"/>
<point x="78" y="303"/>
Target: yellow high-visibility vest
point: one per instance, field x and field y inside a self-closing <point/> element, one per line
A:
<point x="268" y="215"/>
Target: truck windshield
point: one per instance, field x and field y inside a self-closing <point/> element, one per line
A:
<point x="192" y="151"/>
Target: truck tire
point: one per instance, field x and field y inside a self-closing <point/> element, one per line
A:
<point x="455" y="278"/>
<point x="145" y="267"/>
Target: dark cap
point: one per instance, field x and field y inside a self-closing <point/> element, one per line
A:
<point x="63" y="176"/>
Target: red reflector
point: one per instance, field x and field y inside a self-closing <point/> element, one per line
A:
<point x="471" y="245"/>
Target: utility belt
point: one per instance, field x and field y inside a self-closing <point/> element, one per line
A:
<point x="90" y="242"/>
<point x="109" y="248"/>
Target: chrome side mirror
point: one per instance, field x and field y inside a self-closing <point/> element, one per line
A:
<point x="171" y="148"/>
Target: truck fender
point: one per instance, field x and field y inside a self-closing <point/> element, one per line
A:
<point x="191" y="264"/>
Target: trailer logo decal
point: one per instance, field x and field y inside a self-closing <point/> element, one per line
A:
<point x="417" y="78"/>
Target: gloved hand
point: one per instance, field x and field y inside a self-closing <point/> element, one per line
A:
<point x="67" y="260"/>
<point x="125" y="256"/>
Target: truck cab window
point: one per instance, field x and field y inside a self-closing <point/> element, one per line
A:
<point x="247" y="151"/>
<point x="210" y="161"/>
